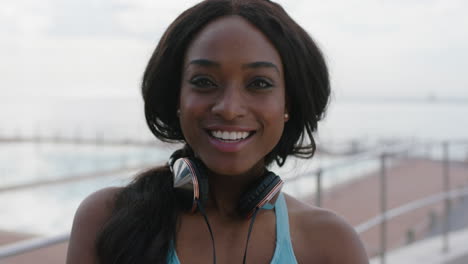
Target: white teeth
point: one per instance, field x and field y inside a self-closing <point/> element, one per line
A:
<point x="231" y="136"/>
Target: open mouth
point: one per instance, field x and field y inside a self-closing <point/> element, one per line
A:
<point x="230" y="136"/>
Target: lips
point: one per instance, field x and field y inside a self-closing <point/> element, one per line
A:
<point x="229" y="139"/>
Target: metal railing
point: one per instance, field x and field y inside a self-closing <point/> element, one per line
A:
<point x="28" y="245"/>
<point x="78" y="140"/>
<point x="70" y="179"/>
<point x="446" y="196"/>
<point x="385" y="215"/>
<point x="381" y="219"/>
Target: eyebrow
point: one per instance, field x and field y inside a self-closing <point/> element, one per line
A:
<point x="253" y="65"/>
<point x="204" y="63"/>
<point x="261" y="64"/>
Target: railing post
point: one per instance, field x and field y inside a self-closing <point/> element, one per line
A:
<point x="446" y="175"/>
<point x="96" y="145"/>
<point x="298" y="187"/>
<point x="383" y="208"/>
<point x="318" y="193"/>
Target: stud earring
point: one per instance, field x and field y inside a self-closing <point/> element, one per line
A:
<point x="178" y="112"/>
<point x="286" y="116"/>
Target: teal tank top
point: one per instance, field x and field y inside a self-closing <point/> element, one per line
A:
<point x="283" y="250"/>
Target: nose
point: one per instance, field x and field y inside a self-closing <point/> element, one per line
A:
<point x="230" y="104"/>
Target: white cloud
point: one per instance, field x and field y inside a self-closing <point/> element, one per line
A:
<point x="403" y="48"/>
<point x="86" y="17"/>
<point x="18" y="18"/>
<point x="75" y="66"/>
<point x="406" y="48"/>
<point x="151" y="18"/>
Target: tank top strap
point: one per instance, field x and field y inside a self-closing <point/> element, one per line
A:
<point x="172" y="254"/>
<point x="282" y="218"/>
<point x="284" y="252"/>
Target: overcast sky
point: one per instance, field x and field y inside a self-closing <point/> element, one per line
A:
<point x="375" y="48"/>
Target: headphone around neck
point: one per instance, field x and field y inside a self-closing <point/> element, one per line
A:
<point x="191" y="180"/>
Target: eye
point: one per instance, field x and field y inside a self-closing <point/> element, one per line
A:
<point x="261" y="84"/>
<point x="202" y="82"/>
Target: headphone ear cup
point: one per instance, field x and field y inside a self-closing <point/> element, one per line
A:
<point x="255" y="194"/>
<point x="190" y="182"/>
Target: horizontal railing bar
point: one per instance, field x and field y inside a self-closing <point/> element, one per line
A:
<point x="69" y="179"/>
<point x="363" y="227"/>
<point x="356" y="158"/>
<point x="25" y="246"/>
<point x="79" y="141"/>
<point x="334" y="166"/>
<point x="394" y="154"/>
<point x="438" y="142"/>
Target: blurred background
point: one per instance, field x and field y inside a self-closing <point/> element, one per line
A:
<point x="392" y="150"/>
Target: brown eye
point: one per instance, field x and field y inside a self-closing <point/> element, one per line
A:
<point x="202" y="82"/>
<point x="261" y="84"/>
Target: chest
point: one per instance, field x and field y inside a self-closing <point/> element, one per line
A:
<point x="194" y="243"/>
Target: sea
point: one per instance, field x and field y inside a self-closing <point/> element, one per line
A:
<point x="349" y="125"/>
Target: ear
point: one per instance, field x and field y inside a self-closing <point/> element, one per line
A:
<point x="286" y="109"/>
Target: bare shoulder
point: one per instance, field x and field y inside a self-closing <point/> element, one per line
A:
<point x="89" y="218"/>
<point x="322" y="235"/>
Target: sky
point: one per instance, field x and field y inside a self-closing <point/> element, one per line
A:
<point x="375" y="48"/>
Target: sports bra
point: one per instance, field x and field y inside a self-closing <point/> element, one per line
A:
<point x="284" y="252"/>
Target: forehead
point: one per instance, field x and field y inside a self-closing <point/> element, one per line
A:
<point x="232" y="38"/>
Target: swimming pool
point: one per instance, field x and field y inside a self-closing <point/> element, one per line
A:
<point x="49" y="209"/>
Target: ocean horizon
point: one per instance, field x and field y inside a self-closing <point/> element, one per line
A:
<point x="346" y="119"/>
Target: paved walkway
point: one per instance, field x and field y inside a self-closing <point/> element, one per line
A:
<point x="52" y="255"/>
<point x="429" y="251"/>
<point x="407" y="181"/>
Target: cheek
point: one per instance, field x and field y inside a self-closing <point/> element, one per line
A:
<point x="274" y="116"/>
<point x="186" y="106"/>
<point x="190" y="100"/>
<point x="188" y="103"/>
<point x="184" y="99"/>
<point x="279" y="115"/>
<point x="192" y="108"/>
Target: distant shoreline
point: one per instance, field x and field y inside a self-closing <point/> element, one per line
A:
<point x="137" y="99"/>
<point x="431" y="100"/>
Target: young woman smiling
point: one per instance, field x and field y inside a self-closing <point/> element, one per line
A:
<point x="242" y="85"/>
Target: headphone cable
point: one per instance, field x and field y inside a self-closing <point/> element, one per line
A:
<point x="250" y="232"/>
<point x="202" y="210"/>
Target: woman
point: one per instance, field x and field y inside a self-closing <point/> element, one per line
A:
<point x="242" y="85"/>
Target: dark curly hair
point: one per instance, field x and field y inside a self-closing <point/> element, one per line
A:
<point x="145" y="215"/>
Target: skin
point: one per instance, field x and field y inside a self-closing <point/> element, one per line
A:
<point x="232" y="80"/>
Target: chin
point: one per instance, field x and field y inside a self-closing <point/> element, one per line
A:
<point x="234" y="169"/>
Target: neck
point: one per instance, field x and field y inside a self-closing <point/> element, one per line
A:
<point x="226" y="190"/>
